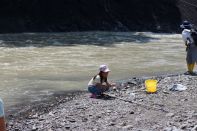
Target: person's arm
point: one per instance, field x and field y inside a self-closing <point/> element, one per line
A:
<point x="105" y="86"/>
<point x="187" y="43"/>
<point x="110" y="84"/>
<point x="98" y="83"/>
<point x="102" y="86"/>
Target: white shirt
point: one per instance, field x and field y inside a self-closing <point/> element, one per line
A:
<point x="186" y="35"/>
<point x="93" y="81"/>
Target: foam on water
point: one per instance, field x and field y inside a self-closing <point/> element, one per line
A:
<point x="34" y="65"/>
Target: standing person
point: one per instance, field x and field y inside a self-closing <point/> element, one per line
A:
<point x="2" y="117"/>
<point x="188" y="35"/>
<point x="99" y="83"/>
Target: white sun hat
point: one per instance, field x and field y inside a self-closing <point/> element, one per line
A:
<point x="104" y="68"/>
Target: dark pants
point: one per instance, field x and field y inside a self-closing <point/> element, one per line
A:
<point x="96" y="90"/>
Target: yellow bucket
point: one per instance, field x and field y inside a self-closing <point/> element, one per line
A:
<point x="151" y="86"/>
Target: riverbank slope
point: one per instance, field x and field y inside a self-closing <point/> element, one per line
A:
<point x="164" y="110"/>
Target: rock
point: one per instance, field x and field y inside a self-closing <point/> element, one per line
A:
<point x="72" y="120"/>
<point x="62" y="124"/>
<point x="124" y="89"/>
<point x="34" y="128"/>
<point x="123" y="124"/>
<point x="127" y="87"/>
<point x="195" y="115"/>
<point x="170" y="114"/>
<point x="131" y="94"/>
<point x="183" y="99"/>
<point x="50" y="129"/>
<point x="131" y="112"/>
<point x="178" y="87"/>
<point x="108" y="111"/>
<point x="194" y="128"/>
<point x="41" y="119"/>
<point x="168" y="129"/>
<point x="84" y="119"/>
<point x="165" y="92"/>
<point x="114" y="88"/>
<point x="51" y="114"/>
<point x="129" y="127"/>
<point x="184" y="126"/>
<point x="180" y="120"/>
<point x="34" y="116"/>
<point x="171" y="129"/>
<point x="112" y="124"/>
<point x="140" y="100"/>
<point x="88" y="12"/>
<point x="67" y="127"/>
<point x="77" y="103"/>
<point x="16" y="129"/>
<point x="175" y="129"/>
<point x="132" y="82"/>
<point x="10" y="123"/>
<point x="98" y="116"/>
<point x="190" y="121"/>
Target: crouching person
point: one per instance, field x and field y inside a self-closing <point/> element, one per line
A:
<point x="2" y="117"/>
<point x="99" y="84"/>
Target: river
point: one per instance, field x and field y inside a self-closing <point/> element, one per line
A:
<point x="35" y="65"/>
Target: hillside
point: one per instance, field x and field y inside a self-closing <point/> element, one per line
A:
<point x="89" y="15"/>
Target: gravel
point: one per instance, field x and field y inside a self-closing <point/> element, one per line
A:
<point x="130" y="108"/>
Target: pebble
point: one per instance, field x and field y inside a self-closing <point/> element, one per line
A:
<point x="184" y="126"/>
<point x="131" y="112"/>
<point x="16" y="129"/>
<point x="182" y="100"/>
<point x="51" y="114"/>
<point x="72" y="120"/>
<point x="98" y="117"/>
<point x="34" y="128"/>
<point x="172" y="129"/>
<point x="170" y="114"/>
<point x="35" y="116"/>
<point x="108" y="111"/>
<point x="123" y="124"/>
<point x="41" y="119"/>
<point x="84" y="119"/>
<point x="165" y="92"/>
<point x="128" y="127"/>
<point x="67" y="127"/>
<point x="195" y="115"/>
<point x="194" y="128"/>
<point x="112" y="124"/>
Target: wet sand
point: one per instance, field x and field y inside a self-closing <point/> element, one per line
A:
<point x="131" y="109"/>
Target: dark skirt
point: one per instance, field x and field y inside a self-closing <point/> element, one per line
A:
<point x="192" y="55"/>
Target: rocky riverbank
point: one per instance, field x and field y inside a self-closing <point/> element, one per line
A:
<point x="130" y="108"/>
